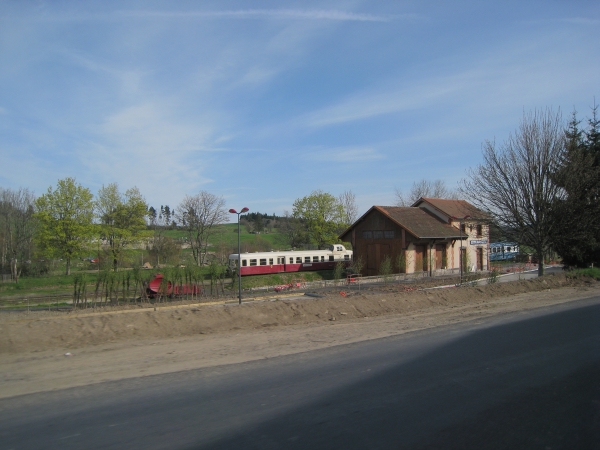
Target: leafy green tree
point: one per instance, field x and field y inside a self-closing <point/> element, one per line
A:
<point x="322" y="215"/>
<point x="65" y="217"/>
<point x="576" y="233"/>
<point x="122" y="219"/>
<point x="294" y="231"/>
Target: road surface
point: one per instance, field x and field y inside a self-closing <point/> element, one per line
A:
<point x="526" y="380"/>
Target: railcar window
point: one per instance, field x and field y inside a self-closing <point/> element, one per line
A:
<point x="307" y="259"/>
<point x="330" y="257"/>
<point x="270" y="261"/>
<point x="263" y="262"/>
<point x="291" y="260"/>
<point x="322" y="259"/>
<point x="508" y="249"/>
<point x="298" y="260"/>
<point x="253" y="262"/>
<point x="315" y="259"/>
<point x="347" y="257"/>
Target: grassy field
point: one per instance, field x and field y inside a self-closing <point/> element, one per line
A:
<point x="224" y="241"/>
<point x="592" y="272"/>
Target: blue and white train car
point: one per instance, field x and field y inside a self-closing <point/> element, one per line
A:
<point x="503" y="251"/>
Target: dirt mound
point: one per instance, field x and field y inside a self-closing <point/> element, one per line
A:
<point x="37" y="331"/>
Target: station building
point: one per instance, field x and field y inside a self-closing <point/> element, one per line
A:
<point x="428" y="236"/>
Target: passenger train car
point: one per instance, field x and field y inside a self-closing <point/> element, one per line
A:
<point x="503" y="251"/>
<point x="259" y="263"/>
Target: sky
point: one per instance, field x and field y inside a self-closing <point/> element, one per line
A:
<point x="263" y="102"/>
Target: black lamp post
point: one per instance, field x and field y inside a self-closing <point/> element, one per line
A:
<point x="239" y="263"/>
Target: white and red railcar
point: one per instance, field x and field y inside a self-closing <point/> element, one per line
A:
<point x="259" y="263"/>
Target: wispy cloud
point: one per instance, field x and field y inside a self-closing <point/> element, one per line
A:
<point x="347" y="154"/>
<point x="389" y="99"/>
<point x="276" y="14"/>
<point x="287" y="14"/>
<point x="147" y="146"/>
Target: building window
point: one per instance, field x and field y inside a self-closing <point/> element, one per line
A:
<point x="253" y="262"/>
<point x="388" y="234"/>
<point x="377" y="234"/>
<point x="463" y="228"/>
<point x="367" y="235"/>
<point x="479" y="230"/>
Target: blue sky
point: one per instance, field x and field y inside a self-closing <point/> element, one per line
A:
<point x="264" y="102"/>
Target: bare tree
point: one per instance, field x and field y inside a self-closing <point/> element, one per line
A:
<point x="198" y="215"/>
<point x="348" y="201"/>
<point x="424" y="188"/>
<point x="514" y="184"/>
<point x="17" y="228"/>
<point x="162" y="248"/>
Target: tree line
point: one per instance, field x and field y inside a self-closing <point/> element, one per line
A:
<point x="542" y="186"/>
<point x="68" y="222"/>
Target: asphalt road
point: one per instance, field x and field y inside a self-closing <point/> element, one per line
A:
<point x="519" y="381"/>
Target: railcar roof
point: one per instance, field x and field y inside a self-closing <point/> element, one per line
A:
<point x="284" y="253"/>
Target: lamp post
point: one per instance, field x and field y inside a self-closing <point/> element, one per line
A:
<point x="239" y="262"/>
<point x="461" y="220"/>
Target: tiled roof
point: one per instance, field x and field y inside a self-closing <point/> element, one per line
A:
<point x="419" y="222"/>
<point x="454" y="208"/>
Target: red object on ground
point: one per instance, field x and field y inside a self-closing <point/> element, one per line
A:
<point x="158" y="286"/>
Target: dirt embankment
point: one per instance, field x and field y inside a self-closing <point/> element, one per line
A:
<point x="48" y="351"/>
<point x="22" y="332"/>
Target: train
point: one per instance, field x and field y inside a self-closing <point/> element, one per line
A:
<point x="503" y="251"/>
<point x="260" y="263"/>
